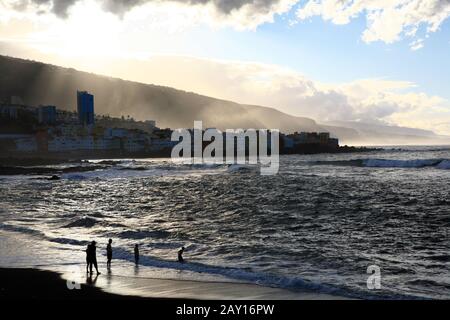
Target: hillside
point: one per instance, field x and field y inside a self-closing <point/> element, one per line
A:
<point x="38" y="83"/>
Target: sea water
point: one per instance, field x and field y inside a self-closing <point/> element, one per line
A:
<point x="317" y="225"/>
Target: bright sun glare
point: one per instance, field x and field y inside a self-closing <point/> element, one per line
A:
<point x="87" y="32"/>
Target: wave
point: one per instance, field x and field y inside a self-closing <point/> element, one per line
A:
<point x="238" y="274"/>
<point x="84" y="222"/>
<point x="41" y="235"/>
<point x="443" y="164"/>
<point x="342" y="163"/>
<point x="228" y="272"/>
<point x="241" y="168"/>
<point x="428" y="283"/>
<point x="69" y="241"/>
<point x="12" y="170"/>
<point x="110" y="169"/>
<point x="149" y="261"/>
<point x="441" y="258"/>
<point x="75" y="177"/>
<point x="248" y="276"/>
<point x="158" y="234"/>
<point x="21" y="229"/>
<point x="418" y="149"/>
<point x="416" y="163"/>
<point x="113" y="173"/>
<point x="140" y="168"/>
<point x="140" y="171"/>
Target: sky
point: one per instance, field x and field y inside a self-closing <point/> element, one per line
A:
<point x="376" y="61"/>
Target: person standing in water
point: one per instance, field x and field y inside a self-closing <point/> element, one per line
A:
<point x="92" y="256"/>
<point x="180" y="255"/>
<point x="136" y="254"/>
<point x="109" y="254"/>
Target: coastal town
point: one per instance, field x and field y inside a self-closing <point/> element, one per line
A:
<point x="46" y="131"/>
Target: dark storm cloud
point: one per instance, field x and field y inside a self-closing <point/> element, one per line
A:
<point x="60" y="7"/>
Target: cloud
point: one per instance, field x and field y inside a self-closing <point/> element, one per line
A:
<point x="387" y="20"/>
<point x="416" y="44"/>
<point x="223" y="6"/>
<point x="239" y="13"/>
<point x="59" y="7"/>
<point x="381" y="101"/>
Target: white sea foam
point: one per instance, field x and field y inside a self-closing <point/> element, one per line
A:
<point x="416" y="163"/>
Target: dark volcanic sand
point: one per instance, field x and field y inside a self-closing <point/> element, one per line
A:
<point x="44" y="285"/>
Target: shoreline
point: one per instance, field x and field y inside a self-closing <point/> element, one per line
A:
<point x="24" y="268"/>
<point x="15" y="162"/>
<point x="38" y="284"/>
<point x="35" y="284"/>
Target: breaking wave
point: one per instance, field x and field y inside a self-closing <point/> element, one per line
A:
<point x="247" y="276"/>
<point x="416" y="163"/>
<point x="84" y="222"/>
<point x="159" y="234"/>
<point x="443" y="164"/>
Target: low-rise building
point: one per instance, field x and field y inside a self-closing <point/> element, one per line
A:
<point x="296" y="140"/>
<point x="47" y="115"/>
<point x="9" y="111"/>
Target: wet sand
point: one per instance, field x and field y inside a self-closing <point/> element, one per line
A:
<point x="48" y="285"/>
<point x="187" y="289"/>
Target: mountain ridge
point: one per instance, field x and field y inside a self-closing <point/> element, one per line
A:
<point x="40" y="83"/>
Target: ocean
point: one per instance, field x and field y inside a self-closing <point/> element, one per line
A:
<point x="317" y="225"/>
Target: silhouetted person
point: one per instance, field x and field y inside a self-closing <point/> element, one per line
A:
<point x="92" y="256"/>
<point x="136" y="254"/>
<point x="109" y="254"/>
<point x="180" y="255"/>
<point x="88" y="250"/>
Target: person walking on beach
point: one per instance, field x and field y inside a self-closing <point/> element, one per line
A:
<point x="109" y="254"/>
<point x="180" y="255"/>
<point x="136" y="254"/>
<point x="91" y="258"/>
<point x="88" y="257"/>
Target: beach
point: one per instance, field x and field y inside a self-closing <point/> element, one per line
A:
<point x="25" y="274"/>
<point x="46" y="285"/>
<point x="41" y="285"/>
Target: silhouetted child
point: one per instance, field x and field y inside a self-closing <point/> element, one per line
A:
<point x="180" y="255"/>
<point x="136" y="254"/>
<point x="109" y="254"/>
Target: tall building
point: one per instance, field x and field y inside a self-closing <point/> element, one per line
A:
<point x="47" y="114"/>
<point x="85" y="104"/>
